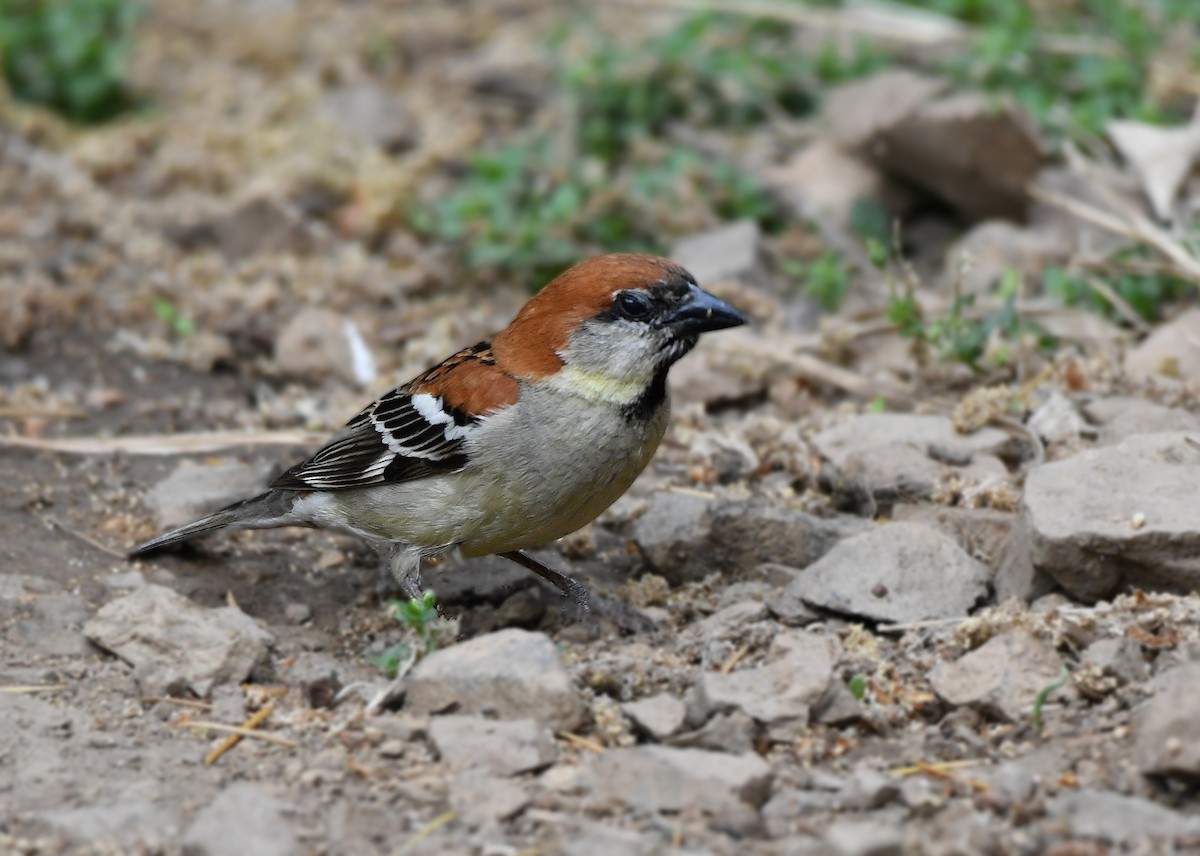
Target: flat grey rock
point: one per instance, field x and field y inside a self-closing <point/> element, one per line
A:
<point x="1001" y="678"/>
<point x="174" y="643"/>
<point x="503" y="748"/>
<point x="244" y="818"/>
<point x="1166" y="728"/>
<point x="510" y="674"/>
<point x="897" y="572"/>
<point x="662" y="778"/>
<point x="779" y="693"/>
<point x="658" y="716"/>
<point x="1117" y="517"/>
<point x="1120" y="819"/>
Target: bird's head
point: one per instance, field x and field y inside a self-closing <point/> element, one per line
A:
<point x="613" y="324"/>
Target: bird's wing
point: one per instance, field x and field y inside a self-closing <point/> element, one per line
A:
<point x="416" y="430"/>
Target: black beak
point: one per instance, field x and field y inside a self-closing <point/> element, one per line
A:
<point x="701" y="313"/>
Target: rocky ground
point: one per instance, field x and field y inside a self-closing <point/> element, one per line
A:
<point x="863" y="601"/>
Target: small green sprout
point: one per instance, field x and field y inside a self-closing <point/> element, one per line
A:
<point x="857" y="686"/>
<point x="1047" y="690"/>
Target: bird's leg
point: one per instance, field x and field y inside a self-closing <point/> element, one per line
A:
<point x="404" y="561"/>
<point x="577" y="592"/>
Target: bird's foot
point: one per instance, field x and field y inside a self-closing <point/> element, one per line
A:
<point x="575" y="591"/>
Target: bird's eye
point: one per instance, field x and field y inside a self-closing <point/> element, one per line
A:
<point x="633" y="305"/>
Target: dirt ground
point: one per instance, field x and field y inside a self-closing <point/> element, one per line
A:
<point x="761" y="674"/>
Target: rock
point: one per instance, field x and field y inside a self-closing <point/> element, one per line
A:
<point x="1016" y="576"/>
<point x="1120" y="658"/>
<point x="868" y="789"/>
<point x="898" y="572"/>
<point x="859" y="112"/>
<point x="194" y="489"/>
<point x="523" y="608"/>
<point x="658" y="716"/>
<point x="838" y="707"/>
<point x="258" y="225"/>
<point x="172" y="643"/>
<point x="134" y="826"/>
<point x="511" y="674"/>
<point x="788" y="810"/>
<point x="1002" y="678"/>
<point x="1166" y="729"/>
<point x="887" y="455"/>
<point x="370" y="113"/>
<point x="1057" y="420"/>
<point x="243" y="818"/>
<point x="1117" y="517"/>
<point x="502" y="748"/>
<point x="982" y="533"/>
<point x="720" y="371"/>
<point x="743" y="535"/>
<point x="824" y="181"/>
<point x="733" y="732"/>
<point x="319" y="343"/>
<point x="671" y="533"/>
<point x="994" y="160"/>
<point x="1123" y="416"/>
<point x="874" y="835"/>
<point x="1171" y="350"/>
<point x="1162" y="158"/>
<point x="480" y="799"/>
<point x="1120" y="819"/>
<point x="596" y="839"/>
<point x="41" y="616"/>
<point x="730" y="251"/>
<point x="780" y="693"/>
<point x="730" y="620"/>
<point x="660" y="778"/>
<point x="994" y="247"/>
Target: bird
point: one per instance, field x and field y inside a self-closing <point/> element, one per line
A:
<point x="508" y="444"/>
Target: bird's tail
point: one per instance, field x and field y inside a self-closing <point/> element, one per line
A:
<point x="265" y="511"/>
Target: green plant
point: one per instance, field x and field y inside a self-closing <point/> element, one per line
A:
<point x="961" y="337"/>
<point x="419" y="615"/>
<point x="171" y="315"/>
<point x="857" y="686"/>
<point x="1044" y="694"/>
<point x="70" y="55"/>
<point x="1146" y="292"/>
<point x="827" y="281"/>
<point x="1105" y="75"/>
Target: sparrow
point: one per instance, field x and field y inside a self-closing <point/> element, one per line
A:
<point x="511" y="443"/>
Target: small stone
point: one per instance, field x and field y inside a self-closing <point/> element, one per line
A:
<point x="1057" y="420"/>
<point x="1002" y="678"/>
<point x="297" y="613"/>
<point x="986" y="254"/>
<point x="480" y="799"/>
<point x="788" y="810"/>
<point x="1172" y="350"/>
<point x="660" y="778"/>
<point x="838" y="707"/>
<point x="1120" y="819"/>
<point x="243" y="818"/>
<point x="658" y="716"/>
<point x="257" y="225"/>
<point x="195" y="489"/>
<point x="523" y="608"/>
<point x="868" y="836"/>
<point x="671" y="533"/>
<point x="727" y="252"/>
<point x="781" y="692"/>
<point x="1123" y="416"/>
<point x="898" y="572"/>
<point x="1166" y="728"/>
<point x="868" y="789"/>
<point x="1121" y="658"/>
<point x="511" y="674"/>
<point x="733" y="732"/>
<point x="369" y="112"/>
<point x="825" y="181"/>
<point x="319" y="343"/>
<point x="502" y="748"/>
<point x="746" y="534"/>
<point x="171" y="641"/>
<point x="730" y="620"/>
<point x="1078" y="510"/>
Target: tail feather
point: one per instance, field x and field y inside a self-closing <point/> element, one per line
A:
<point x="265" y="511"/>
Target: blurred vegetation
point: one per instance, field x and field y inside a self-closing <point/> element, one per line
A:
<point x="69" y="55"/>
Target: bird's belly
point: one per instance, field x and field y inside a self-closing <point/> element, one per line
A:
<point x="509" y="496"/>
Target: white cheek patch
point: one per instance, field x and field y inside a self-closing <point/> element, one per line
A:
<point x="431" y="410"/>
